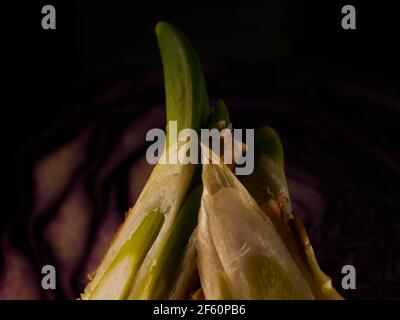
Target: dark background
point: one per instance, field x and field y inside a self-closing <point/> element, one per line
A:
<point x="293" y="53"/>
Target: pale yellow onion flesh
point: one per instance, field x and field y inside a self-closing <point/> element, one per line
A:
<point x="164" y="191"/>
<point x="232" y="231"/>
<point x="159" y="271"/>
<point x="120" y="274"/>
